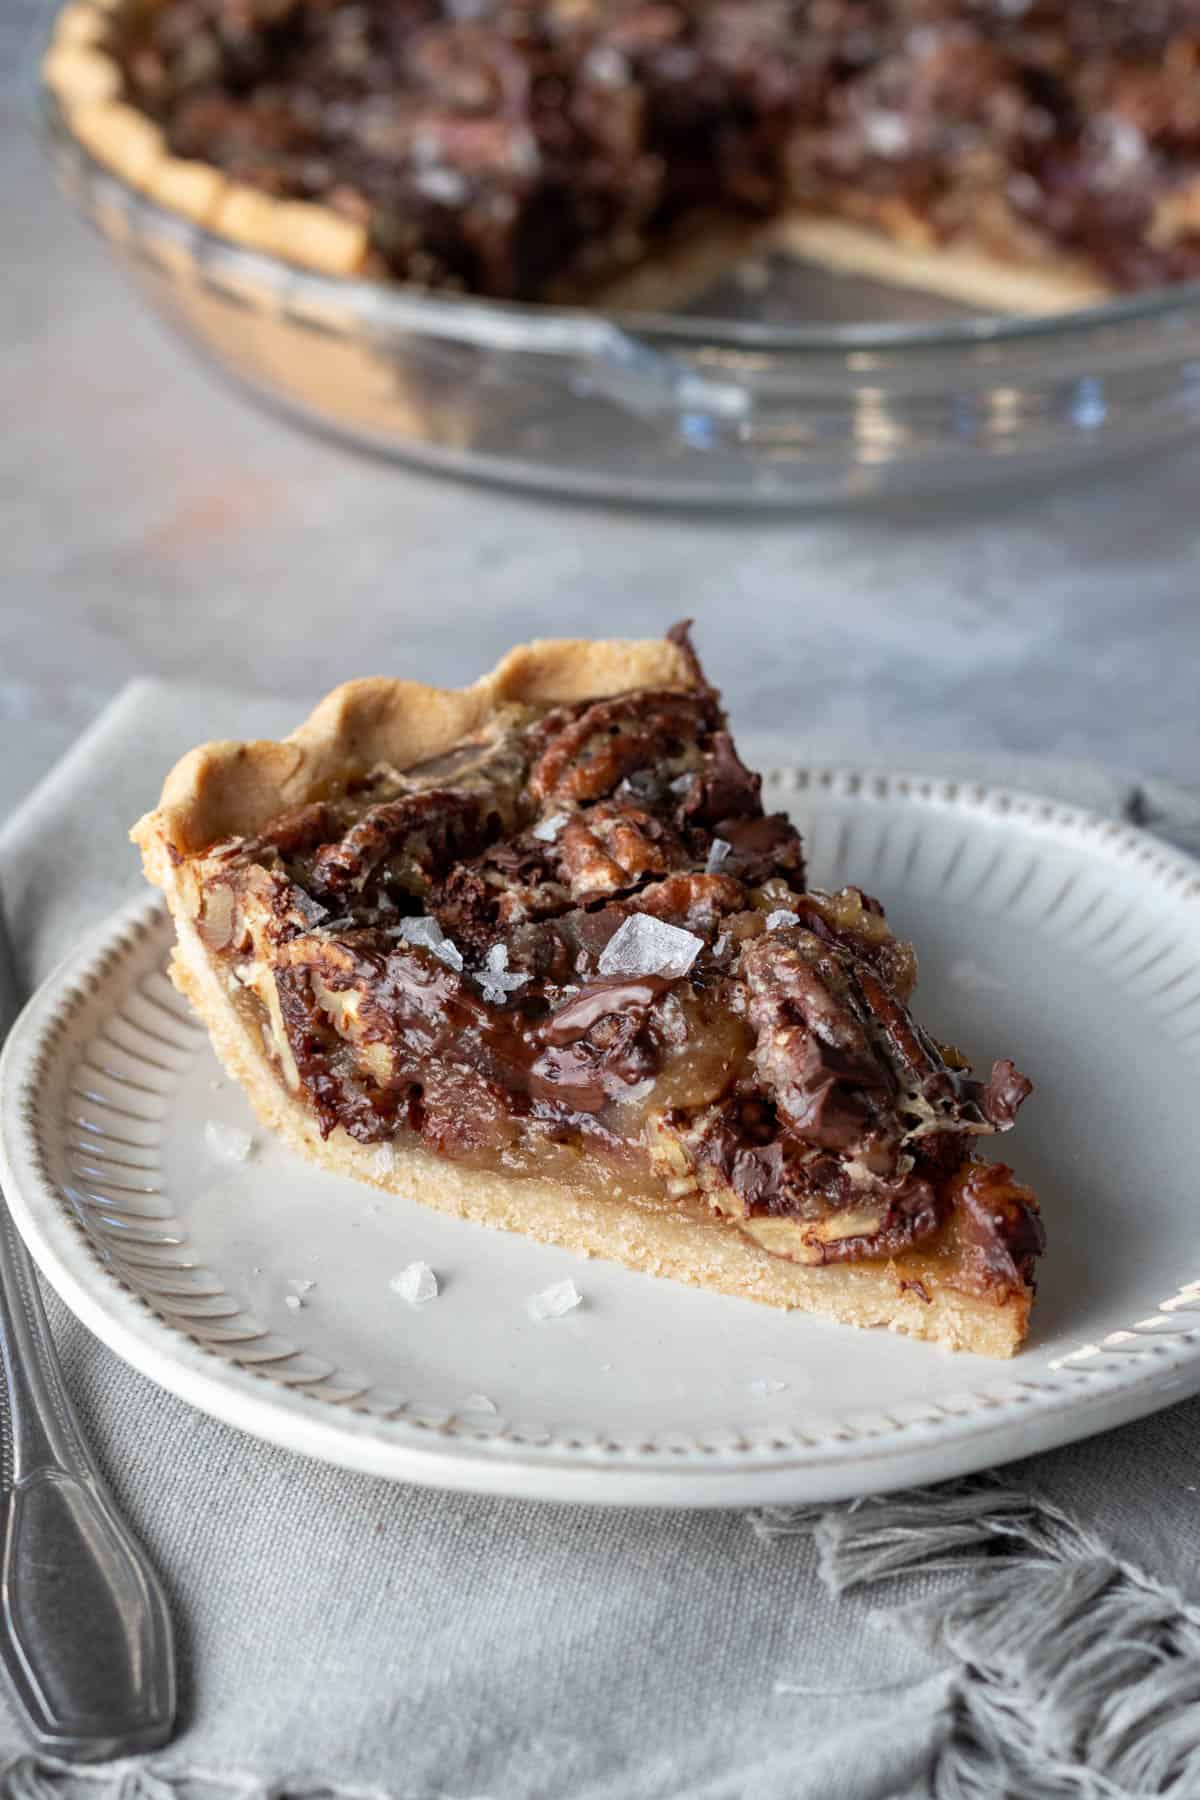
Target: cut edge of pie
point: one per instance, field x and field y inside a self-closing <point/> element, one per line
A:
<point x="232" y="790"/>
<point x="1005" y="267"/>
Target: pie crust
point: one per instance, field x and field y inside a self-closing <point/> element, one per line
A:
<point x="231" y="790"/>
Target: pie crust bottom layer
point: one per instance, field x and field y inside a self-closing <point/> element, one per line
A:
<point x="969" y="271"/>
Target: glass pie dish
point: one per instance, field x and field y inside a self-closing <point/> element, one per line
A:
<point x="879" y="392"/>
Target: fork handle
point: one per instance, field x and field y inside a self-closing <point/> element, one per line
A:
<point x="85" y="1635"/>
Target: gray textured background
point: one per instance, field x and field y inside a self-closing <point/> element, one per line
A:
<point x="152" y="522"/>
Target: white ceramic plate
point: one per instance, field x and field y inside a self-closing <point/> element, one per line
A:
<point x="1069" y="942"/>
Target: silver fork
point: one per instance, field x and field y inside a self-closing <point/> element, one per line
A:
<point x="85" y="1635"/>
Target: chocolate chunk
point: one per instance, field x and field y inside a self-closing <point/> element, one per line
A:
<point x="829" y="1104"/>
<point x="680" y="634"/>
<point x="999" y="1226"/>
<point x="723" y="790"/>
<point x="598" y="1000"/>
<point x="1005" y="1092"/>
<point x="764" y="848"/>
<point x="758" y="1174"/>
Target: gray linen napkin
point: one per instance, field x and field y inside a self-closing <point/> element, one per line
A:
<point x="346" y="1637"/>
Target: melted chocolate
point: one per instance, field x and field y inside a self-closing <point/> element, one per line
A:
<point x="786" y="1061"/>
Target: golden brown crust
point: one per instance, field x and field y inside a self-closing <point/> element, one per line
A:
<point x="80" y="23"/>
<point x="968" y="269"/>
<point x="81" y="74"/>
<point x="191" y="188"/>
<point x="120" y="137"/>
<point x="225" y="789"/>
<point x="298" y="231"/>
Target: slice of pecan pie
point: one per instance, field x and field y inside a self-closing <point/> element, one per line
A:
<point x="533" y="953"/>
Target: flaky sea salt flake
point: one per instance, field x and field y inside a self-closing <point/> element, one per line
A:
<point x="427" y="934"/>
<point x="230" y="1142"/>
<point x="384" y="1160"/>
<point x="442" y="184"/>
<point x="293" y="1301"/>
<point x="546" y="830"/>
<point x="780" y="918"/>
<point x="496" y="982"/>
<point x="646" y="946"/>
<point x="717" y="852"/>
<point x="887" y="133"/>
<point x="416" y="1284"/>
<point x="606" y="66"/>
<point x="552" y="1302"/>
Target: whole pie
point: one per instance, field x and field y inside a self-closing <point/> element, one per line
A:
<point x="1025" y="154"/>
<point x="533" y="953"/>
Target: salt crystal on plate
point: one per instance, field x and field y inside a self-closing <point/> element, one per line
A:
<point x="718" y="850"/>
<point x="764" y="1386"/>
<point x="548" y="829"/>
<point x="478" y="1403"/>
<point x="781" y="917"/>
<point x="646" y="946"/>
<point x="416" y="1284"/>
<point x="495" y="981"/>
<point x="427" y="934"/>
<point x="229" y="1142"/>
<point x="554" y="1301"/>
<point x="294" y="1301"/>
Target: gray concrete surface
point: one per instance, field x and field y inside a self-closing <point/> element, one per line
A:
<point x="153" y="522"/>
